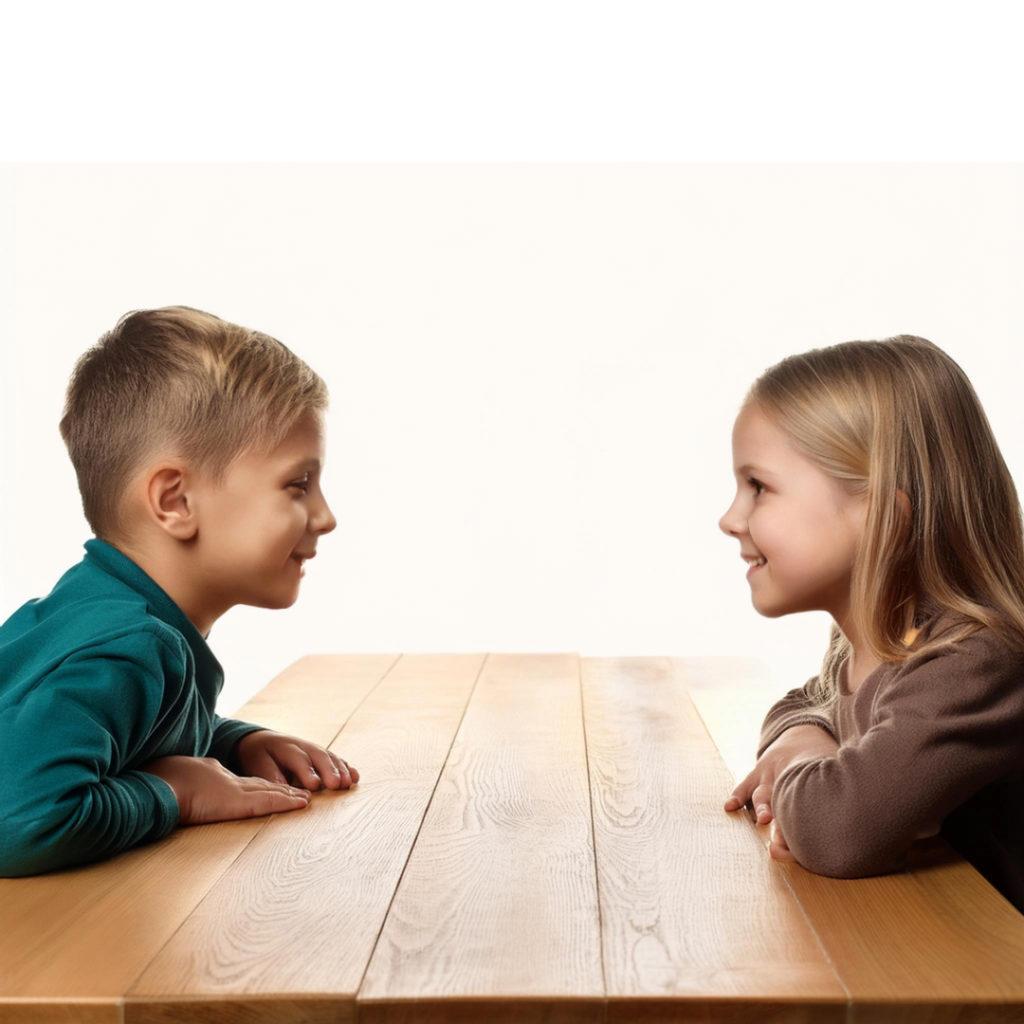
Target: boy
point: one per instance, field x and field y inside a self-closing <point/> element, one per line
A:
<point x="197" y="445"/>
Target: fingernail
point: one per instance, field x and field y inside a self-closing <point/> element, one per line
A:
<point x="762" y="810"/>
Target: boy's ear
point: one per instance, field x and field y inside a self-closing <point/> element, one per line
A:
<point x="170" y="503"/>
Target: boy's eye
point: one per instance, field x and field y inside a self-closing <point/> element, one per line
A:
<point x="302" y="484"/>
<point x="755" y="484"/>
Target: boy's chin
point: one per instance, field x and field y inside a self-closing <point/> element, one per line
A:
<point x="284" y="600"/>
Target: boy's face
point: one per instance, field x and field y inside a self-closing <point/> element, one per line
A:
<point x="267" y="516"/>
<point x="794" y="515"/>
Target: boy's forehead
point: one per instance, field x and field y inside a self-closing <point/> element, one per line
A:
<point x="303" y="447"/>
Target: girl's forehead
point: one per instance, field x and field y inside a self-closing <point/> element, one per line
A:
<point x="757" y="441"/>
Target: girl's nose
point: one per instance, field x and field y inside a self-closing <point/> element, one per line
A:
<point x="729" y="523"/>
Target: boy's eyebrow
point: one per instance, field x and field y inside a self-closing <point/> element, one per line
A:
<point x="304" y="464"/>
<point x="749" y="467"/>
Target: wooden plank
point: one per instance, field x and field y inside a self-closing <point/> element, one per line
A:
<point x="934" y="943"/>
<point x="316" y="695"/>
<point x="285" y="934"/>
<point x="697" y="923"/>
<point x="73" y="941"/>
<point x="496" y="913"/>
<point x="732" y="715"/>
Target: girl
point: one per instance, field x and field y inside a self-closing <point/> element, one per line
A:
<point x="870" y="486"/>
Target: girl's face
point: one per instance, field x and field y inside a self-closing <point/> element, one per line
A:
<point x="799" y="519"/>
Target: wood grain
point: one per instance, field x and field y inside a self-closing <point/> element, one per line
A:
<point x="297" y="914"/>
<point x="85" y="934"/>
<point x="936" y="943"/>
<point x="535" y="838"/>
<point x="499" y="901"/>
<point x="691" y="908"/>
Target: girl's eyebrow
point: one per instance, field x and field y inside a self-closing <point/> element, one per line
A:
<point x="749" y="467"/>
<point x="303" y="464"/>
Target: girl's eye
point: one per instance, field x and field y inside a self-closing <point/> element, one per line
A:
<point x="755" y="484"/>
<point x="302" y="484"/>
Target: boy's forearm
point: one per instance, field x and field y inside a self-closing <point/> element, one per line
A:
<point x="226" y="734"/>
<point x="112" y="815"/>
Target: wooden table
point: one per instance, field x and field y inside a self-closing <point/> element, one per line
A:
<point x="536" y="838"/>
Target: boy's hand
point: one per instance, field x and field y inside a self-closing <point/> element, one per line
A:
<point x="796" y="743"/>
<point x="206" y="791"/>
<point x="271" y="755"/>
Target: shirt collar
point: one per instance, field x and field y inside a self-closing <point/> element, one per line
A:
<point x="116" y="563"/>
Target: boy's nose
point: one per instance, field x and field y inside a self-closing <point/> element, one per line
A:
<point x="329" y="522"/>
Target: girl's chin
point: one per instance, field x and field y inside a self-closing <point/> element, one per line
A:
<point x="765" y="605"/>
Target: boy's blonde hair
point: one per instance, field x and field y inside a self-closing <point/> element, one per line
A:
<point x="878" y="416"/>
<point x="183" y="381"/>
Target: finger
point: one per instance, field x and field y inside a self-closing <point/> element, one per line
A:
<point x="739" y="795"/>
<point x="345" y="772"/>
<point x="779" y="848"/>
<point x="257" y="784"/>
<point x="761" y="798"/>
<point x="299" y="763"/>
<point x="271" y="802"/>
<point x="326" y="764"/>
<point x="265" y="767"/>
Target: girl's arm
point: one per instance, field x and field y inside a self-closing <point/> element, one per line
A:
<point x="796" y="708"/>
<point x="941" y="729"/>
<point x="798" y="742"/>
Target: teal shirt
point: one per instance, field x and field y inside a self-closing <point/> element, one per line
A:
<point x="103" y="674"/>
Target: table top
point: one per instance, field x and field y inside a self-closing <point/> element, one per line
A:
<point x="535" y="837"/>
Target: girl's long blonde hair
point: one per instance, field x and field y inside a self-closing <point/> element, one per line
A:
<point x="901" y="415"/>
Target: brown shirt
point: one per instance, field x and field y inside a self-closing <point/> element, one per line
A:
<point x="934" y="743"/>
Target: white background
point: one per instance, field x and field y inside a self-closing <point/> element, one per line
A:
<point x="534" y="361"/>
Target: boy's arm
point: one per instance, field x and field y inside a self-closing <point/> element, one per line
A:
<point x="226" y="733"/>
<point x="796" y="708"/>
<point x="66" y="796"/>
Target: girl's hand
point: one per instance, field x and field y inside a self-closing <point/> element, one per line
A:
<point x="796" y="743"/>
<point x="778" y="850"/>
<point x="270" y="755"/>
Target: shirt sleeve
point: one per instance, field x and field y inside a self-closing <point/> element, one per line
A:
<point x="69" y="795"/>
<point x="226" y="733"/>
<point x="941" y="729"/>
<point x="796" y="708"/>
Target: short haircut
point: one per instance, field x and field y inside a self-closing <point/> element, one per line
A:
<point x="181" y="381"/>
